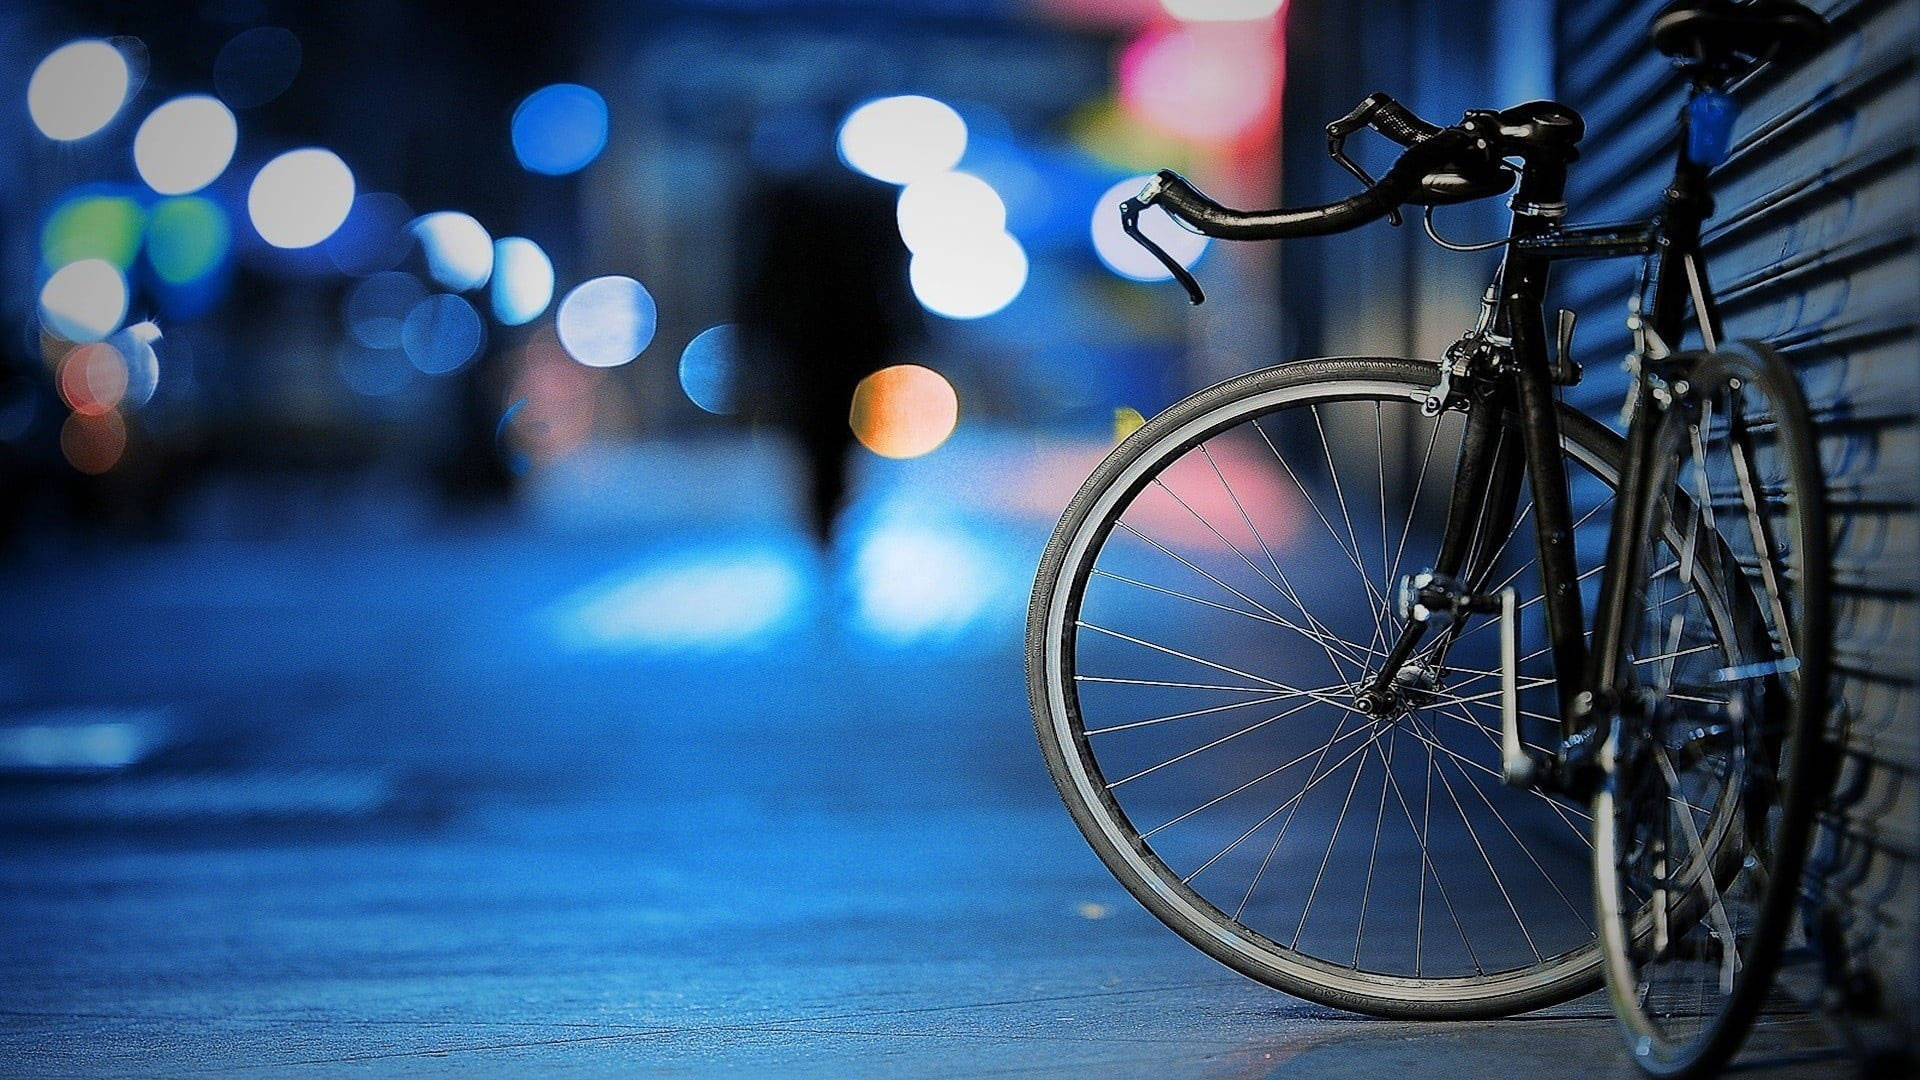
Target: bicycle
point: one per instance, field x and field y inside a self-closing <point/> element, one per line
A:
<point x="1205" y="673"/>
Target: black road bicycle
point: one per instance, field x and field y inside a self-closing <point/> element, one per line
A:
<point x="1351" y="780"/>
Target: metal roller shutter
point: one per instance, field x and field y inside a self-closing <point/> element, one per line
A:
<point x="1813" y="249"/>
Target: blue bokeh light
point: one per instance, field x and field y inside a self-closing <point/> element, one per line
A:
<point x="606" y="322"/>
<point x="374" y="237"/>
<point x="375" y="308"/>
<point x="522" y="280"/>
<point x="710" y="369"/>
<point x="559" y="129"/>
<point x="458" y="250"/>
<point x="441" y="334"/>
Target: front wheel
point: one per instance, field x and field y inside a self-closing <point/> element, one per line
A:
<point x="1210" y="603"/>
<point x="1702" y="824"/>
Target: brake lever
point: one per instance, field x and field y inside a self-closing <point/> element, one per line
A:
<point x="1337" y="132"/>
<point x="1130" y="223"/>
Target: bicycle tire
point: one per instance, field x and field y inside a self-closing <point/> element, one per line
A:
<point x="1775" y="775"/>
<point x="1059" y="586"/>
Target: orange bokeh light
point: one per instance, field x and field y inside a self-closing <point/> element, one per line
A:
<point x="93" y="444"/>
<point x="554" y="400"/>
<point x="904" y="411"/>
<point x="93" y="379"/>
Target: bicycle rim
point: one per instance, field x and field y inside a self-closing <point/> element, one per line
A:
<point x="1321" y="919"/>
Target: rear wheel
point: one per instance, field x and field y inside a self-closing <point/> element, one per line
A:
<point x="1701" y="828"/>
<point x="1206" y="610"/>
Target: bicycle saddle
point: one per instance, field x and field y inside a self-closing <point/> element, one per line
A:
<point x="1718" y="32"/>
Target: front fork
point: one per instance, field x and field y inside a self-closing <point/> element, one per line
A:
<point x="1480" y="514"/>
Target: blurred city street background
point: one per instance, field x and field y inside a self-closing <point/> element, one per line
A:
<point x="436" y="633"/>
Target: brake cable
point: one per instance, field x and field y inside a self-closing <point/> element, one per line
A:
<point x="1427" y="220"/>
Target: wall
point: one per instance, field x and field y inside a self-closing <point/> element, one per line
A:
<point x="1813" y="249"/>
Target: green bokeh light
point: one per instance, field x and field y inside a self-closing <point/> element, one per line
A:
<point x="187" y="237"/>
<point x="93" y="227"/>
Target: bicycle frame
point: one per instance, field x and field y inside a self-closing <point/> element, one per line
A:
<point x="1486" y="489"/>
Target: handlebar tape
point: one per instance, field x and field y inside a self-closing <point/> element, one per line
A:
<point x="1397" y="122"/>
<point x="1186" y="202"/>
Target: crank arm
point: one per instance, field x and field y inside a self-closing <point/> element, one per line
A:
<point x="1517" y="765"/>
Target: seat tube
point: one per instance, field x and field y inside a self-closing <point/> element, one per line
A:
<point x="1687" y="205"/>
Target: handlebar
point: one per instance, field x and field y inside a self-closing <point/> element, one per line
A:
<point x="1186" y="202"/>
<point x="1440" y="166"/>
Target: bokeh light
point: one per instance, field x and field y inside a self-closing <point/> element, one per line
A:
<point x="77" y="89"/>
<point x="606" y="322"/>
<point x="84" y="301"/>
<point x="902" y="139"/>
<point x="93" y="227"/>
<point x="256" y="66"/>
<point x="458" y="250"/>
<point x="553" y="407"/>
<point x="969" y="279"/>
<point x="376" y="307"/>
<point x="699" y="598"/>
<point x="522" y="280"/>
<point x="374" y="237"/>
<point x="441" y="334"/>
<point x="915" y="583"/>
<point x="135" y="346"/>
<point x="93" y="379"/>
<point x="299" y="198"/>
<point x="948" y="208"/>
<point x="93" y="444"/>
<point x="1221" y="10"/>
<point x="184" y="145"/>
<point x="187" y="238"/>
<point x="1207" y="82"/>
<point x="1125" y="257"/>
<point x="904" y="411"/>
<point x="710" y="369"/>
<point x="559" y="129"/>
<point x="372" y="372"/>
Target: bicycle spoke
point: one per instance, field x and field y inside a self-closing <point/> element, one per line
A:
<point x="1333" y="474"/>
<point x="1474" y="835"/>
<point x="1462" y="759"/>
<point x="1171" y="683"/>
<point x="1270" y="773"/>
<point x="1312" y="775"/>
<point x="1319" y="639"/>
<point x="1757" y="530"/>
<point x="1524" y="849"/>
<point x="1255" y="726"/>
<point x="1090" y="732"/>
<point x="1320" y="695"/>
<point x="1333" y="838"/>
<point x="1295" y="801"/>
<point x="1277" y="617"/>
<point x="1716" y="906"/>
<point x="1373" y="856"/>
<point x="1413" y="504"/>
<point x="1352" y="558"/>
<point x="1421" y="834"/>
<point x="1288" y="591"/>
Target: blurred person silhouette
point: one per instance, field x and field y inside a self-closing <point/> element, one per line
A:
<point x="824" y="297"/>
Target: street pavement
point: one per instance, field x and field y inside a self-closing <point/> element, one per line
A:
<point x="657" y="791"/>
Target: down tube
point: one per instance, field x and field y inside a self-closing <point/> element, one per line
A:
<point x="1553" y="511"/>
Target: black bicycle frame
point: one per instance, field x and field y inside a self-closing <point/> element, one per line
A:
<point x="1485" y="492"/>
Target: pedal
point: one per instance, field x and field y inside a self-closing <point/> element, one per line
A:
<point x="1517" y="767"/>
